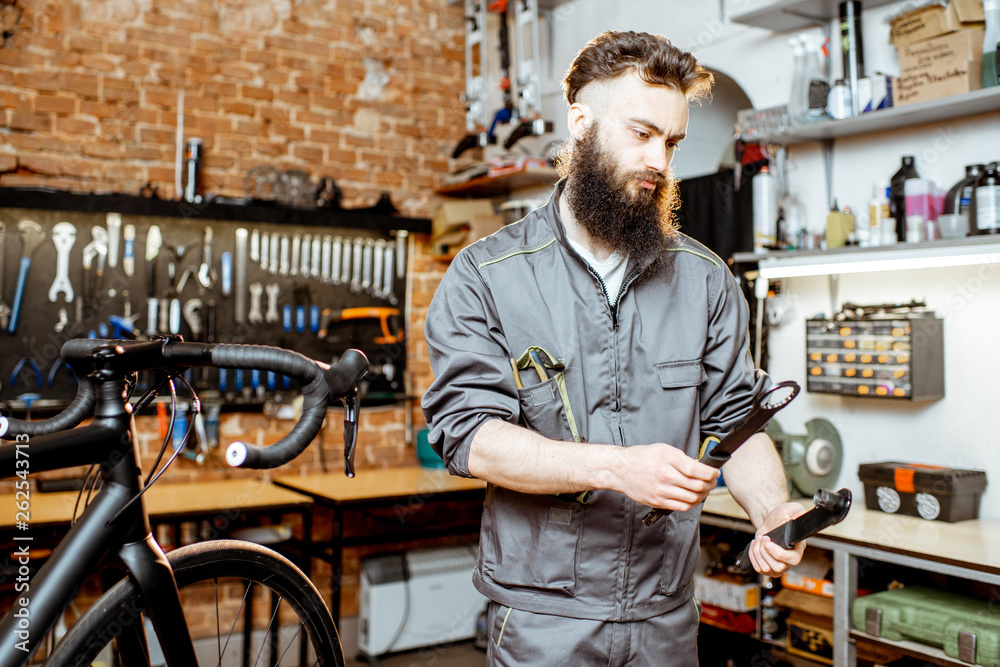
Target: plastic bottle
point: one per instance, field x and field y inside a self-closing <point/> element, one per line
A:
<point x="988" y="201"/>
<point x="817" y="83"/>
<point x="991" y="42"/>
<point x="795" y="225"/>
<point x="960" y="199"/>
<point x="878" y="211"/>
<point x="765" y="211"/>
<point x="797" y="100"/>
<point x="839" y="226"/>
<point x="897" y="197"/>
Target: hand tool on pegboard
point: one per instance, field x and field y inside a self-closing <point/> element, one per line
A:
<point x="32" y="236"/>
<point x="153" y="242"/>
<point x="95" y="255"/>
<point x="63" y="238"/>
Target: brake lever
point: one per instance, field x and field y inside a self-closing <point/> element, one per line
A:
<point x="831" y="508"/>
<point x="351" y="411"/>
<point x="758" y="418"/>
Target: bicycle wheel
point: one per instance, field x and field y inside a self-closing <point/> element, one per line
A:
<point x="217" y="580"/>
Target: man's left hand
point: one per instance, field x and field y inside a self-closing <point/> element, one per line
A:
<point x="767" y="557"/>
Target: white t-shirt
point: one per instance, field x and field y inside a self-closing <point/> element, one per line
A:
<point x="611" y="270"/>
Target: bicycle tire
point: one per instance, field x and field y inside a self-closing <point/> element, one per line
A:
<point x="203" y="563"/>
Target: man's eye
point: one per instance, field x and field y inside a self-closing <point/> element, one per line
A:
<point x="641" y="134"/>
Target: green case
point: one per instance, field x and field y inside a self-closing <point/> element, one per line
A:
<point x="964" y="627"/>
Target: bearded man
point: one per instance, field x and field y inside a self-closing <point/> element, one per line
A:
<point x="581" y="356"/>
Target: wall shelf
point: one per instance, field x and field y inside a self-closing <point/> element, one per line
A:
<point x="985" y="100"/>
<point x="374" y="218"/>
<point x="500" y="185"/>
<point x="928" y="254"/>
<point x="788" y="15"/>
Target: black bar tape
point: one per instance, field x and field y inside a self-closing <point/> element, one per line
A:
<point x="315" y="396"/>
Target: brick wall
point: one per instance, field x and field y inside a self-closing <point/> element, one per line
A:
<point x="364" y="91"/>
<point x="367" y="92"/>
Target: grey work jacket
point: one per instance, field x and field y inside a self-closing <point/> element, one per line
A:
<point x="670" y="363"/>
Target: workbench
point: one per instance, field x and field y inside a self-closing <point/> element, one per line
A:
<point x="220" y="505"/>
<point x="410" y="492"/>
<point x="966" y="549"/>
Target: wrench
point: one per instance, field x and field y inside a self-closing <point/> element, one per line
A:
<point x="305" y="271"/>
<point x="256" y="291"/>
<point x="207" y="274"/>
<point x="359" y="245"/>
<point x="265" y="252"/>
<point x="240" y="283"/>
<point x="316" y="257"/>
<point x="830" y="509"/>
<point x="114" y="221"/>
<point x="401" y="236"/>
<point x="98" y="247"/>
<point x="366" y="265"/>
<point x="273" y="264"/>
<point x="345" y="264"/>
<point x="327" y="249"/>
<point x="283" y="267"/>
<point x="32" y="236"/>
<point x="335" y="258"/>
<point x="296" y="250"/>
<point x="271" y="317"/>
<point x="4" y="308"/>
<point x="255" y="245"/>
<point x="377" y="268"/>
<point x="63" y="237"/>
<point x="765" y="405"/>
<point x="387" y="265"/>
<point x="192" y="315"/>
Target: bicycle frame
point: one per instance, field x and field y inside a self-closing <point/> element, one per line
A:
<point x="110" y="521"/>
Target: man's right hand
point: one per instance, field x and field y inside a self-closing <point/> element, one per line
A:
<point x="664" y="477"/>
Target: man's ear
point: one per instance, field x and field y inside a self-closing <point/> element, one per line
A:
<point x="578" y="119"/>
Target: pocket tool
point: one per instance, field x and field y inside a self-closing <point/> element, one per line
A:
<point x="765" y="405"/>
<point x="831" y="508"/>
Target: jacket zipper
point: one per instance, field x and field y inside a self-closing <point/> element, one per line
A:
<point x="621" y="290"/>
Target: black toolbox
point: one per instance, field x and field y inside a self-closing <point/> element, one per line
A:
<point x="930" y="492"/>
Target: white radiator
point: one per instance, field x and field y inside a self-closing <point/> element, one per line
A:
<point x="418" y="598"/>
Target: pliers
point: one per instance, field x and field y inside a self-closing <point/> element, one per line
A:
<point x="27" y="360"/>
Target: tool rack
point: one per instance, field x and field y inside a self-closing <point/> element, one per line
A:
<point x="318" y="314"/>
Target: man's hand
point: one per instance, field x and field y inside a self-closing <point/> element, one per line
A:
<point x="664" y="477"/>
<point x="767" y="557"/>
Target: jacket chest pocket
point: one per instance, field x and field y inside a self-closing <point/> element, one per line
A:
<point x="543" y="396"/>
<point x="680" y="374"/>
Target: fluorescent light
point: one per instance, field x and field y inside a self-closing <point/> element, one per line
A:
<point x="872" y="260"/>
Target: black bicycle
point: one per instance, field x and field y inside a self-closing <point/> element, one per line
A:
<point x="214" y="577"/>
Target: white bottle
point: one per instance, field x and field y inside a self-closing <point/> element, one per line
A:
<point x="796" y="230"/>
<point x="765" y="211"/>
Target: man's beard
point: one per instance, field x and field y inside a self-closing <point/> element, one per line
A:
<point x="609" y="203"/>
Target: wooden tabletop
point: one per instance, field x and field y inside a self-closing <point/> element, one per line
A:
<point x="383" y="484"/>
<point x="974" y="543"/>
<point x="162" y="501"/>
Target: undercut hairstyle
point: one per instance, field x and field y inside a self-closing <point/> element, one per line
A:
<point x="652" y="57"/>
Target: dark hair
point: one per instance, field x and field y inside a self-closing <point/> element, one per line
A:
<point x="652" y="57"/>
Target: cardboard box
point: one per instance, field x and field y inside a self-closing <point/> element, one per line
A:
<point x="726" y="593"/>
<point x="939" y="67"/>
<point x="810" y="625"/>
<point x="923" y="23"/>
<point x="809" y="576"/>
<point x="457" y="223"/>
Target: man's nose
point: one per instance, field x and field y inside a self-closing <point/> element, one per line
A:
<point x="657" y="158"/>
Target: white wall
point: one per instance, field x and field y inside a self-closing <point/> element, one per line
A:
<point x="963" y="429"/>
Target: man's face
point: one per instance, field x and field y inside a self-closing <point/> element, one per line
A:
<point x="621" y="190"/>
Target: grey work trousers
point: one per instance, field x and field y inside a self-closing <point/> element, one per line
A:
<point x="524" y="639"/>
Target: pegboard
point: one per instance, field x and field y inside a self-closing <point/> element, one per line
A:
<point x="318" y="315"/>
